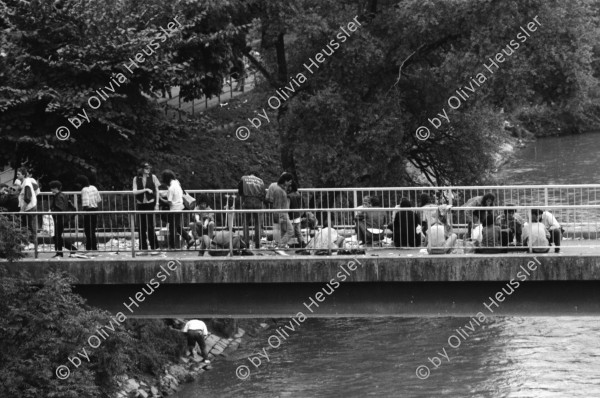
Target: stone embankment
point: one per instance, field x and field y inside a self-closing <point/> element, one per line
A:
<point x="186" y="370"/>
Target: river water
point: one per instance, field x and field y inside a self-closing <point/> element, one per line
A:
<point x="502" y="357"/>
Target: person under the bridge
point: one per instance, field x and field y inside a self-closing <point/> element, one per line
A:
<point x="196" y="332"/>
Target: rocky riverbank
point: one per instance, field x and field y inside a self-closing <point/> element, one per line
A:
<point x="186" y="370"/>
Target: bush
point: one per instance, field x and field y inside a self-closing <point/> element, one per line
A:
<point x="41" y="327"/>
<point x="11" y="238"/>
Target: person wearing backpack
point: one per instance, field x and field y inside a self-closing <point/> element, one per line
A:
<point x="60" y="202"/>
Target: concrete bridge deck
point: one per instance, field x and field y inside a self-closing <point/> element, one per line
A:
<point x="381" y="283"/>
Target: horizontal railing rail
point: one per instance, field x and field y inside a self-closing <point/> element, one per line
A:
<point x="476" y="229"/>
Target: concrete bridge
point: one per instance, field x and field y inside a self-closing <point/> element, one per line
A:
<point x="372" y="285"/>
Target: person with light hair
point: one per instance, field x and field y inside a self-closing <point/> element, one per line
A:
<point x="440" y="238"/>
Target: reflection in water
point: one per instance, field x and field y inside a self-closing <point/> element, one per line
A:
<point x="506" y="357"/>
<point x="555" y="160"/>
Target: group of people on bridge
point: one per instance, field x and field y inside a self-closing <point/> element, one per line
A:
<point x="430" y="227"/>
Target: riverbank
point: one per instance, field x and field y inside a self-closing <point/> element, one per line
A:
<point x="187" y="368"/>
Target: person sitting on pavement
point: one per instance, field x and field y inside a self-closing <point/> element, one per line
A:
<point x="196" y="332"/>
<point x="204" y="221"/>
<point x="511" y="224"/>
<point x="440" y="238"/>
<point x="371" y="225"/>
<point x="539" y="234"/>
<point x="325" y="238"/>
<point x="428" y="216"/>
<point x="472" y="218"/>
<point x="551" y="224"/>
<point x="491" y="241"/>
<point x="405" y="225"/>
<point x="219" y="242"/>
<point x="366" y="203"/>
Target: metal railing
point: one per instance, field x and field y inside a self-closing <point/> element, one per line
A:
<point x="462" y="230"/>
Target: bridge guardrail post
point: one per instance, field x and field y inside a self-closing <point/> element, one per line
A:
<point x="132" y="224"/>
<point x="329" y="232"/>
<point x="529" y="244"/>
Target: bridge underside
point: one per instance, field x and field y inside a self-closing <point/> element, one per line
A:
<point x="397" y="299"/>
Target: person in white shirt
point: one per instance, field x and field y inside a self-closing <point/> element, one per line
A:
<point x="440" y="238"/>
<point x="28" y="192"/>
<point x="539" y="237"/>
<point x="174" y="199"/>
<point x="90" y="198"/>
<point x="551" y="224"/>
<point x="196" y="332"/>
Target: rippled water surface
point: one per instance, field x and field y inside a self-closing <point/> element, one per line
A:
<point x="555" y="160"/>
<point x="504" y="357"/>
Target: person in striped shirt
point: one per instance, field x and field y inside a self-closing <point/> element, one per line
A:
<point x="90" y="199"/>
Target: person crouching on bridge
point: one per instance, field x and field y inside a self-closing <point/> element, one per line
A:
<point x="196" y="332"/>
<point x="204" y="224"/>
<point x="551" y="225"/>
<point x="440" y="239"/>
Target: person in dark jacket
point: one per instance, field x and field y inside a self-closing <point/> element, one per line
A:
<point x="9" y="201"/>
<point x="296" y="216"/>
<point x="404" y="226"/>
<point x="145" y="189"/>
<point x="60" y="202"/>
<point x="252" y="192"/>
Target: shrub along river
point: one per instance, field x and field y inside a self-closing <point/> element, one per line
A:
<point x="502" y="357"/>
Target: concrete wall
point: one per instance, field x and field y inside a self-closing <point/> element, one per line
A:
<point x="313" y="269"/>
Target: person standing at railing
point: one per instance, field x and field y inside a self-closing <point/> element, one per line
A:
<point x="59" y="203"/>
<point x="90" y="199"/>
<point x="174" y="198"/>
<point x="29" y="189"/>
<point x="281" y="201"/>
<point x="296" y="216"/>
<point x="252" y="192"/>
<point x="145" y="189"/>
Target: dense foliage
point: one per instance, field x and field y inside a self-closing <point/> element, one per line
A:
<point x="352" y="122"/>
<point x="42" y="326"/>
<point x="11" y="239"/>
